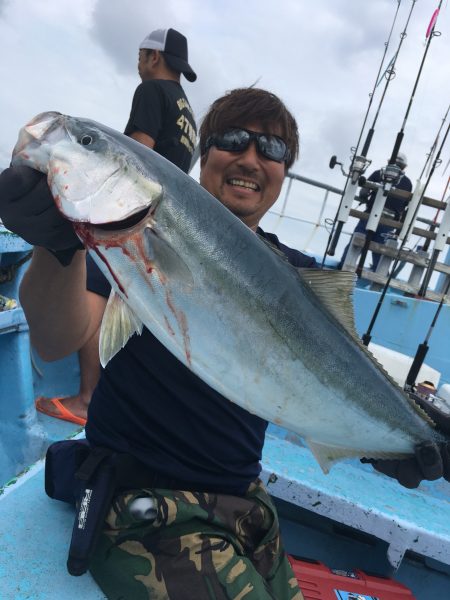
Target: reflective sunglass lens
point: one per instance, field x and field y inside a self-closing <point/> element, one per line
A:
<point x="238" y="140"/>
<point x="272" y="147"/>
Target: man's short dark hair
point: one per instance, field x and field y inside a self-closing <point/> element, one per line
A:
<point x="243" y="106"/>
<point x="149" y="52"/>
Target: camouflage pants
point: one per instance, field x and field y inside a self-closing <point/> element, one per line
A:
<point x="200" y="546"/>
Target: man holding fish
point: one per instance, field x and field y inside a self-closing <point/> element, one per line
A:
<point x="210" y="530"/>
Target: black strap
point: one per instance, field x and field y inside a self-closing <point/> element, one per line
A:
<point x="99" y="474"/>
<point x="95" y="457"/>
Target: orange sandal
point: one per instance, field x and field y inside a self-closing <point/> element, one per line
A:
<point x="63" y="413"/>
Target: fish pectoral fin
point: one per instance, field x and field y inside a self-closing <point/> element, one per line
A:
<point x="118" y="325"/>
<point x="326" y="455"/>
<point x="166" y="260"/>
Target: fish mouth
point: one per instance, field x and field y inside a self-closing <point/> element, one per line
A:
<point x="42" y="128"/>
<point x="130" y="221"/>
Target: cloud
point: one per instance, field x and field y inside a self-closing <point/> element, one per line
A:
<point x="119" y="28"/>
<point x="320" y="57"/>
<point x="3" y="6"/>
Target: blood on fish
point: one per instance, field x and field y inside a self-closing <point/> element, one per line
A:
<point x="182" y="323"/>
<point x="89" y="240"/>
<point x="116" y="243"/>
<point x="149" y="265"/>
<point x="137" y="250"/>
<point x="169" y="327"/>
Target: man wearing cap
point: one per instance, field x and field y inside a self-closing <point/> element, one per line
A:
<point x="161" y="118"/>
<point x="394" y="207"/>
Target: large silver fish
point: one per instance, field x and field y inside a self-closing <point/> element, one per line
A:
<point x="275" y="340"/>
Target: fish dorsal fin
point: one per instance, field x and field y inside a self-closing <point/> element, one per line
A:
<point x="118" y="325"/>
<point x="334" y="289"/>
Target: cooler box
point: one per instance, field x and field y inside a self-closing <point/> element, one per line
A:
<point x="318" y="582"/>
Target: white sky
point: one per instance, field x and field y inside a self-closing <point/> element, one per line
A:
<point x="321" y="57"/>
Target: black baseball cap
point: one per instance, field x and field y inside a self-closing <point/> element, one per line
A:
<point x="174" y="45"/>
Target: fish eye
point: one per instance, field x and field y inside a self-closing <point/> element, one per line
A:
<point x="86" y="139"/>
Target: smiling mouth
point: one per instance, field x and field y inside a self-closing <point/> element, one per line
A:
<point x="248" y="185"/>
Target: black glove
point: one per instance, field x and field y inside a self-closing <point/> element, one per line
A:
<point x="27" y="208"/>
<point x="431" y="461"/>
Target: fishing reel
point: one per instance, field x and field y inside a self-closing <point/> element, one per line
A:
<point x="390" y="175"/>
<point x="359" y="165"/>
<point x="357" y="168"/>
<point x="334" y="161"/>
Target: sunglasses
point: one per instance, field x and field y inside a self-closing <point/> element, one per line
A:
<point x="238" y="140"/>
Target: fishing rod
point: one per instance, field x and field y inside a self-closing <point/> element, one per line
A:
<point x="439" y="244"/>
<point x="441" y="239"/>
<point x="392" y="173"/>
<point x="416" y="197"/>
<point x="360" y="163"/>
<point x="423" y="348"/>
<point x="430" y="156"/>
<point x="367" y="336"/>
<point x="427" y="241"/>
<point x="429" y="159"/>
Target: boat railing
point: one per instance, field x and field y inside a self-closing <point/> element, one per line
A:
<point x="320" y="219"/>
<point x="412" y="261"/>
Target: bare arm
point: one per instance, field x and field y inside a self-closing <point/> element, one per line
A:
<point x="143" y="138"/>
<point x="61" y="313"/>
